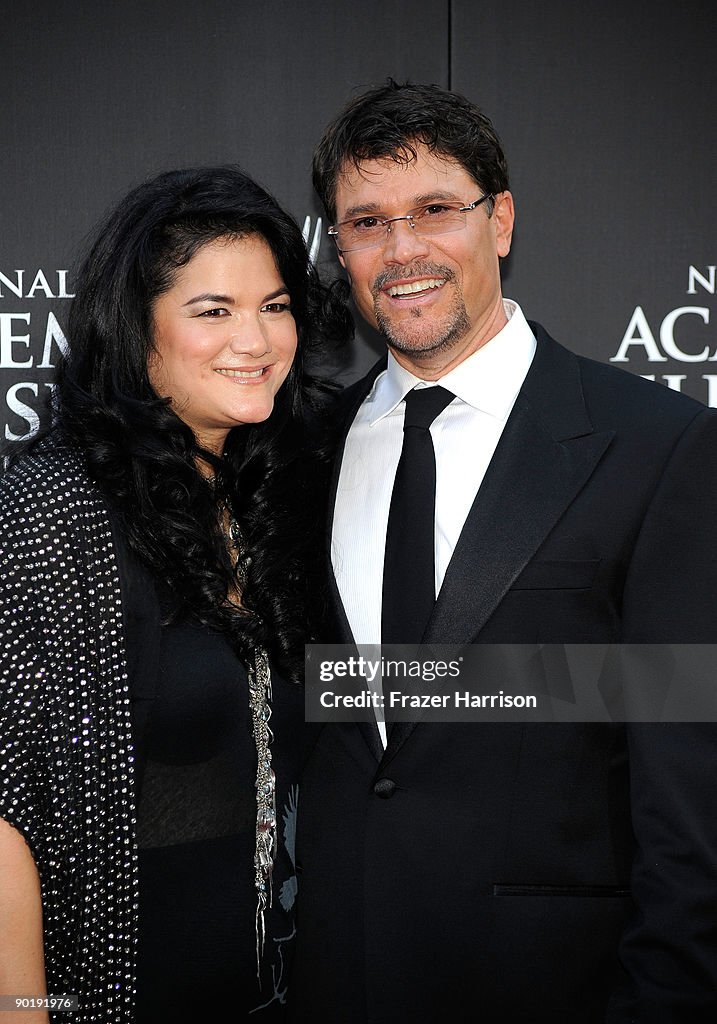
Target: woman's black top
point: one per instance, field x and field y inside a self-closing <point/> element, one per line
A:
<point x="197" y="956"/>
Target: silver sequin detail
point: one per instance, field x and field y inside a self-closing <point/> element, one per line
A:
<point x="260" y="707"/>
<point x="266" y="836"/>
<point x="66" y="757"/>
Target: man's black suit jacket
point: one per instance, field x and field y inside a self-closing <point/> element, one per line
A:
<point x="541" y="872"/>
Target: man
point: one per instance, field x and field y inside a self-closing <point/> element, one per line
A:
<point x="504" y="872"/>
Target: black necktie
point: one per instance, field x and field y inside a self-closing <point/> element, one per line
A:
<point x="409" y="569"/>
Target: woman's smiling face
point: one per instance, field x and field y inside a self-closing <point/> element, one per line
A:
<point x="224" y="338"/>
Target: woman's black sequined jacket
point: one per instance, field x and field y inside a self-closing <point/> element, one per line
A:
<point x="66" y="759"/>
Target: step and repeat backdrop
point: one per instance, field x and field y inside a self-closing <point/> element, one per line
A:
<point x="606" y="111"/>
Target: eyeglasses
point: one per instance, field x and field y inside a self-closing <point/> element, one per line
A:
<point x="369" y="231"/>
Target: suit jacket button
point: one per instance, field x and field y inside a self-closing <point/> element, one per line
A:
<point x="385" y="788"/>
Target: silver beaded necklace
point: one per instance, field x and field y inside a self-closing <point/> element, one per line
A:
<point x="260" y="696"/>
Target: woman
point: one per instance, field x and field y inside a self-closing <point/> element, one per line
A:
<point x="153" y="597"/>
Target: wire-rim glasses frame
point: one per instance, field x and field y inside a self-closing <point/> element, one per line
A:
<point x="357" y="234"/>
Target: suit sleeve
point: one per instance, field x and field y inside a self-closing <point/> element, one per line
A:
<point x="669" y="948"/>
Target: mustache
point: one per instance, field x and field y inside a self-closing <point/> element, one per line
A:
<point x="392" y="274"/>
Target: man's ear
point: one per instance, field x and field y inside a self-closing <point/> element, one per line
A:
<point x="504" y="219"/>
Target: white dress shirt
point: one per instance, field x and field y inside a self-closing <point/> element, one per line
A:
<point x="465" y="436"/>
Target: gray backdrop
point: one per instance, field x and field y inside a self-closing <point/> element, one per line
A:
<point x="606" y="111"/>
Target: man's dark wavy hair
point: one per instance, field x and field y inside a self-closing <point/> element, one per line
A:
<point x="389" y="121"/>
<point x="143" y="456"/>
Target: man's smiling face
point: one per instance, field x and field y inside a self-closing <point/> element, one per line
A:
<point x="436" y="299"/>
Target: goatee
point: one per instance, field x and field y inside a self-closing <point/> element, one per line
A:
<point x="413" y="336"/>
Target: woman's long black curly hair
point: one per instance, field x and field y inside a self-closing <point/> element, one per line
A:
<point x="144" y="457"/>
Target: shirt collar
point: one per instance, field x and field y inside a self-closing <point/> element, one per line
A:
<point x="488" y="380"/>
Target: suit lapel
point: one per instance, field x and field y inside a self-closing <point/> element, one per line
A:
<point x="350" y="401"/>
<point x="545" y="456"/>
